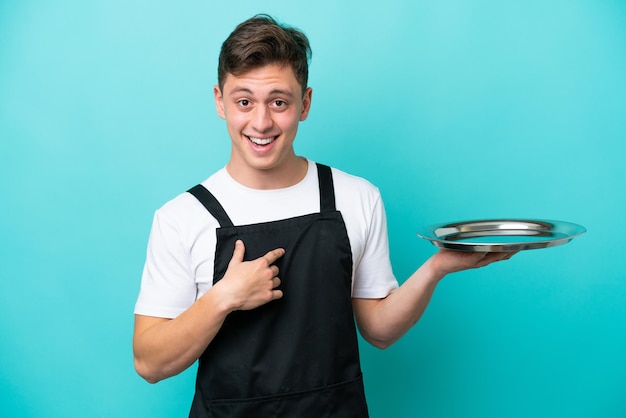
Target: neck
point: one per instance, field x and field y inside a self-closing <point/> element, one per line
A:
<point x="285" y="175"/>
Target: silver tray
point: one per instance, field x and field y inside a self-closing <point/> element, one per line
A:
<point x="501" y="235"/>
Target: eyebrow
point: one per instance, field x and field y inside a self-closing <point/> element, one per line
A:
<point x="273" y="92"/>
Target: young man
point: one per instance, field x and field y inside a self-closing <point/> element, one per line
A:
<point x="260" y="271"/>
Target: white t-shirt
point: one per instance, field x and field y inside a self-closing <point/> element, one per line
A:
<point x="181" y="247"/>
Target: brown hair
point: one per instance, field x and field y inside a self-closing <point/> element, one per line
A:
<point x="261" y="41"/>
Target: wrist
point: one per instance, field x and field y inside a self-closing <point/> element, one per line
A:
<point x="433" y="270"/>
<point x="221" y="299"/>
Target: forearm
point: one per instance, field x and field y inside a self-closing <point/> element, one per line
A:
<point x="165" y="347"/>
<point x="382" y="322"/>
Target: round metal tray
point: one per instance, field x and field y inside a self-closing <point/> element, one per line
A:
<point x="501" y="235"/>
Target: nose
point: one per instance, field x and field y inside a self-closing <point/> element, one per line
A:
<point x="262" y="119"/>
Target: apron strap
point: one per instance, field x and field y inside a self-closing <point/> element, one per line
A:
<point x="327" y="196"/>
<point x="211" y="204"/>
<point x="327" y="190"/>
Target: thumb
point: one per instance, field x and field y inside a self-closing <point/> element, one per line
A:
<point x="238" y="253"/>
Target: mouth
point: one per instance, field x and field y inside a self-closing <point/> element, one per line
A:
<point x="261" y="141"/>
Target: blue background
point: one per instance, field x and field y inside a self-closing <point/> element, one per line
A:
<point x="456" y="110"/>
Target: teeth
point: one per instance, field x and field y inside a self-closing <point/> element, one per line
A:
<point x="262" y="141"/>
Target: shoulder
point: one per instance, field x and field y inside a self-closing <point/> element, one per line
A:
<point x="185" y="203"/>
<point x="180" y="208"/>
<point x="184" y="212"/>
<point x="351" y="189"/>
<point x="344" y="178"/>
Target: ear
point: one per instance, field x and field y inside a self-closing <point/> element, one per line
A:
<point x="306" y="103"/>
<point x="219" y="101"/>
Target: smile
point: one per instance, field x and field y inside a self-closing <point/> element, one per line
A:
<point x="261" y="141"/>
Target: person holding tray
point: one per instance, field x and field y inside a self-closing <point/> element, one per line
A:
<point x="260" y="271"/>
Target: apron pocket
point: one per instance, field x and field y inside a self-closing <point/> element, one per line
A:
<point x="341" y="400"/>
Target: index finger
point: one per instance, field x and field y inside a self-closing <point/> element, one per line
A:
<point x="273" y="255"/>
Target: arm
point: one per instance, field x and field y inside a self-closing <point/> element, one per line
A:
<point x="164" y="347"/>
<point x="383" y="321"/>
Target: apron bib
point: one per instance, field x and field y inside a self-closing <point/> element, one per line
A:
<point x="296" y="356"/>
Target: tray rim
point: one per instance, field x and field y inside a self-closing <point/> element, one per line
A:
<point x="428" y="233"/>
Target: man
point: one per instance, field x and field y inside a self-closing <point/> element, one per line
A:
<point x="260" y="271"/>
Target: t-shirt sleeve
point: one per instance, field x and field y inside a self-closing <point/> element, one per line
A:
<point x="374" y="276"/>
<point x="168" y="287"/>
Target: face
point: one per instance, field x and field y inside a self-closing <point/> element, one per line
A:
<point x="262" y="109"/>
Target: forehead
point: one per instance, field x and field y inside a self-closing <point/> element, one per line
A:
<point x="264" y="80"/>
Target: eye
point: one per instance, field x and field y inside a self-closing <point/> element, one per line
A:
<point x="244" y="102"/>
<point x="279" y="105"/>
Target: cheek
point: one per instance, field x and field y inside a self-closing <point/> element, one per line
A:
<point x="234" y="120"/>
<point x="288" y="121"/>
